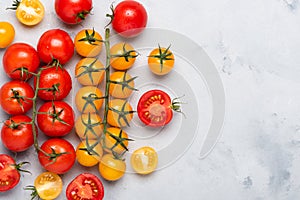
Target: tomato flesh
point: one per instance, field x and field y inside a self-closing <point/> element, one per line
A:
<point x="48" y="185"/>
<point x="10" y="176"/>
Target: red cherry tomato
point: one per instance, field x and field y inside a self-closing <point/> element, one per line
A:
<point x="85" y="186"/>
<point x="61" y="156"/>
<point x="55" y="44"/>
<point x="129" y="18"/>
<point x="56" y="118"/>
<point x="73" y="11"/>
<point x="10" y="176"/>
<point x="19" y="60"/>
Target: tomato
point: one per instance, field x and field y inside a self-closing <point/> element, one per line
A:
<point x="89" y="99"/>
<point x="110" y="168"/>
<point x="10" y="176"/>
<point x="16" y="97"/>
<point x="20" y="60"/>
<point x="144" y="160"/>
<point x="116" y="140"/>
<point x="85" y="186"/>
<point x="89" y="153"/>
<point x="60" y="156"/>
<point x="73" y="11"/>
<point x="161" y="61"/>
<point x="89" y="126"/>
<point x="17" y="133"/>
<point x="55" y="118"/>
<point x="120" y="113"/>
<point x="88" y="43"/>
<point x="48" y="185"/>
<point x="55" y="45"/>
<point x="121" y="84"/>
<point x="123" y="56"/>
<point x="7" y="34"/>
<point x="55" y="83"/>
<point x="129" y="18"/>
<point x="89" y="71"/>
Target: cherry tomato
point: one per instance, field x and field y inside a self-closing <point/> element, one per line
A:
<point x="129" y="18"/>
<point x="111" y="169"/>
<point x="55" y="83"/>
<point x="85" y="186"/>
<point x="17" y="133"/>
<point x="89" y="126"/>
<point x="55" y="118"/>
<point x="48" y="185"/>
<point x="61" y="155"/>
<point x="7" y="34"/>
<point x="116" y="140"/>
<point x="89" y="153"/>
<point x="123" y="56"/>
<point x="88" y="43"/>
<point x="120" y="113"/>
<point x="16" y="97"/>
<point x="144" y="160"/>
<point x="20" y="60"/>
<point x="89" y="71"/>
<point x="121" y="85"/>
<point x="89" y="99"/>
<point x="73" y="11"/>
<point x="161" y="61"/>
<point x="55" y="45"/>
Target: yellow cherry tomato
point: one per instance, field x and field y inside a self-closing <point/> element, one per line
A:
<point x="89" y="71"/>
<point x="111" y="169"/>
<point x="89" y="153"/>
<point x="144" y="160"/>
<point x="161" y="61"/>
<point x="123" y="56"/>
<point x="7" y="34"/>
<point x="88" y="43"/>
<point x="120" y="113"/>
<point x="48" y="185"/>
<point x="116" y="140"/>
<point x="89" y="99"/>
<point x="89" y="126"/>
<point x="121" y="84"/>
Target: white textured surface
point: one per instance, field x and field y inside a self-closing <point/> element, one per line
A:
<point x="255" y="46"/>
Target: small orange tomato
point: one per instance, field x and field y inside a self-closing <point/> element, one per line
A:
<point x="161" y="61"/>
<point x="89" y="126"/>
<point x="121" y="85"/>
<point x="88" y="43"/>
<point x="111" y="169"/>
<point x="89" y="99"/>
<point x="116" y="140"/>
<point x="120" y="113"/>
<point x="89" y="153"/>
<point x="123" y="56"/>
<point x="7" y="34"/>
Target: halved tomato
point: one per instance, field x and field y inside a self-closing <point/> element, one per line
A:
<point x="48" y="185"/>
<point x="144" y="160"/>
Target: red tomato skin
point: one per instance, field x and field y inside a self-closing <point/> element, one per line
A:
<point x="130" y="18"/>
<point x="57" y="44"/>
<point x="20" y="138"/>
<point x="68" y="10"/>
<point x="56" y="128"/>
<point x="20" y="55"/>
<point x="64" y="162"/>
<point x="11" y="106"/>
<point x="8" y="173"/>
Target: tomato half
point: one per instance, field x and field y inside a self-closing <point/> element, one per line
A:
<point x="89" y="153"/>
<point x="110" y="168"/>
<point x="61" y="155"/>
<point x="55" y="118"/>
<point x="121" y="84"/>
<point x="10" y="176"/>
<point x="85" y="186"/>
<point x="144" y="160"/>
<point x="123" y="56"/>
<point x="116" y="140"/>
<point x="16" y="97"/>
<point x="89" y="126"/>
<point x="89" y="99"/>
<point x="17" y="133"/>
<point x="7" y="34"/>
<point x="161" y="60"/>
<point x="88" y="43"/>
<point x="20" y="60"/>
<point x="120" y="113"/>
<point x="48" y="185"/>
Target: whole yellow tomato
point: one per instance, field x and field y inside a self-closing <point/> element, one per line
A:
<point x="120" y="113"/>
<point x="89" y="99"/>
<point x="88" y="43"/>
<point x="116" y="140"/>
<point x="89" y="153"/>
<point x="111" y="168"/>
<point x="89" y="125"/>
<point x="161" y="61"/>
<point x="121" y="84"/>
<point x="123" y="56"/>
<point x="7" y="34"/>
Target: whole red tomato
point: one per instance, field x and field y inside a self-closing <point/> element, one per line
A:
<point x="129" y="18"/>
<point x="60" y="155"/>
<point x="55" y="45"/>
<point x="17" y="133"/>
<point x="55" y="83"/>
<point x="73" y="11"/>
<point x="55" y="118"/>
<point x="19" y="60"/>
<point x="10" y="176"/>
<point x="16" y="97"/>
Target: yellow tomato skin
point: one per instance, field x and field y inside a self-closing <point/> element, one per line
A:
<point x="116" y="89"/>
<point x="88" y="125"/>
<point x="7" y="34"/>
<point x="89" y="99"/>
<point x="144" y="160"/>
<point x="89" y="158"/>
<point x="155" y="65"/>
<point x="119" y="119"/>
<point x="111" y="169"/>
<point x="120" y="63"/>
<point x="48" y="185"/>
<point x="30" y="12"/>
<point x="110" y="141"/>
<point x="88" y="48"/>
<point x="89" y="71"/>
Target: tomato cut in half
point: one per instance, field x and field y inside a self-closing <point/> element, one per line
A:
<point x="85" y="186"/>
<point x="144" y="160"/>
<point x="10" y="176"/>
<point x="48" y="185"/>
